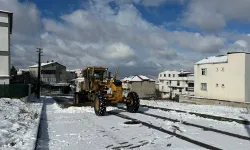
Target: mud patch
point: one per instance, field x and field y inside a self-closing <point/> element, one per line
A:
<point x="131" y="122"/>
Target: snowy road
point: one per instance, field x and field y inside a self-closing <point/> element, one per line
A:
<point x="79" y="128"/>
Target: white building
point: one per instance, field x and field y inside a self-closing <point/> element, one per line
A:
<point x="171" y="83"/>
<point x="5" y="31"/>
<point x="142" y="85"/>
<point x="224" y="77"/>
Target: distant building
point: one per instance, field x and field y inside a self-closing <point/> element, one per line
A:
<point x="51" y="72"/>
<point x="21" y="71"/>
<point x="171" y="83"/>
<point x="225" y="77"/>
<point x="142" y="85"/>
<point x="71" y="74"/>
<point x="5" y="31"/>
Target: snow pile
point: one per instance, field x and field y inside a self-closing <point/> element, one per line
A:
<point x="19" y="122"/>
<point x="57" y="109"/>
<point x="224" y="111"/>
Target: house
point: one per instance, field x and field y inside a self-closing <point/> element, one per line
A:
<point x="71" y="74"/>
<point x="142" y="85"/>
<point x="6" y="19"/>
<point x="22" y="71"/>
<point x="171" y="83"/>
<point x="224" y="77"/>
<point x="51" y="72"/>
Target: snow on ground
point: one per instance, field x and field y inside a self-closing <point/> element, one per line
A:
<point x="79" y="128"/>
<point x="19" y="122"/>
<point x="208" y="137"/>
<point x="224" y="111"/>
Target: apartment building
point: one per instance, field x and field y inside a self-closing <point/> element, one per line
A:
<point x="6" y="19"/>
<point x="224" y="77"/>
<point x="142" y="85"/>
<point x="51" y="72"/>
<point x="171" y="83"/>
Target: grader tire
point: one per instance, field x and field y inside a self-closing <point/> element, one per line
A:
<point x="134" y="104"/>
<point x="99" y="105"/>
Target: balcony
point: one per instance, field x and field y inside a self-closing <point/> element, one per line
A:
<point x="190" y="89"/>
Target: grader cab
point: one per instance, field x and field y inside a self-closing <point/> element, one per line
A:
<point x="103" y="90"/>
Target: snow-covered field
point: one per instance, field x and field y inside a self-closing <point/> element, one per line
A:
<point x="79" y="128"/>
<point x="19" y="122"/>
<point x="224" y="111"/>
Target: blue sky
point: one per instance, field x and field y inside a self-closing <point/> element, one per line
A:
<point x="139" y="36"/>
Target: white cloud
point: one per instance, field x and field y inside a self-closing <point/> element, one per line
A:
<point x="118" y="51"/>
<point x="196" y="41"/>
<point x="241" y="43"/>
<point x="100" y="36"/>
<point x="131" y="63"/>
<point x="213" y="15"/>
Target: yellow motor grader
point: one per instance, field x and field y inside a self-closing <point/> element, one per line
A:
<point x="103" y="90"/>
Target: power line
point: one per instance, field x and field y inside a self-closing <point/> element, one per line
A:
<point x="15" y="47"/>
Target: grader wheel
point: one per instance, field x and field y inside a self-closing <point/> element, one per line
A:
<point x="133" y="102"/>
<point x="99" y="105"/>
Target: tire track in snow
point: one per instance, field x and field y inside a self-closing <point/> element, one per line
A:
<point x="196" y="125"/>
<point x="244" y="122"/>
<point x="201" y="144"/>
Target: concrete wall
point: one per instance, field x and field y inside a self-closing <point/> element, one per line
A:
<point x="4" y="49"/>
<point x="206" y="101"/>
<point x="233" y="78"/>
<point x="143" y="89"/>
<point x="247" y="78"/>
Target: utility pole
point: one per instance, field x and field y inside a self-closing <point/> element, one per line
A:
<point x="39" y="50"/>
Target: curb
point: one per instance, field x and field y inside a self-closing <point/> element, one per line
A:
<point x="38" y="127"/>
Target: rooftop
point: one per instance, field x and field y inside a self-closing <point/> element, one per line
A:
<point x="42" y="64"/>
<point x="213" y="60"/>
<point x="137" y="78"/>
<point x="217" y="59"/>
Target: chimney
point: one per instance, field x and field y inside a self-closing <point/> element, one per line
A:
<point x="52" y="60"/>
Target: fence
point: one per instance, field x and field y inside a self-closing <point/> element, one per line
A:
<point x="14" y="90"/>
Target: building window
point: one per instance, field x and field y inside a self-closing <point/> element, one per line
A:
<point x="217" y="85"/>
<point x="173" y="75"/>
<point x="204" y="86"/>
<point x="180" y="90"/>
<point x="169" y="75"/>
<point x="160" y="75"/>
<point x="222" y="85"/>
<point x="178" y="83"/>
<point x="204" y="71"/>
<point x="164" y="75"/>
<point x="167" y="83"/>
<point x="162" y="87"/>
<point x="170" y="82"/>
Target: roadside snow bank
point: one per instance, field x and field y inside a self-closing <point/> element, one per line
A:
<point x="224" y="111"/>
<point x="19" y="122"/>
<point x="57" y="109"/>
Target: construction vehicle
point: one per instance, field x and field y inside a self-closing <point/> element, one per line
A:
<point x="103" y="90"/>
